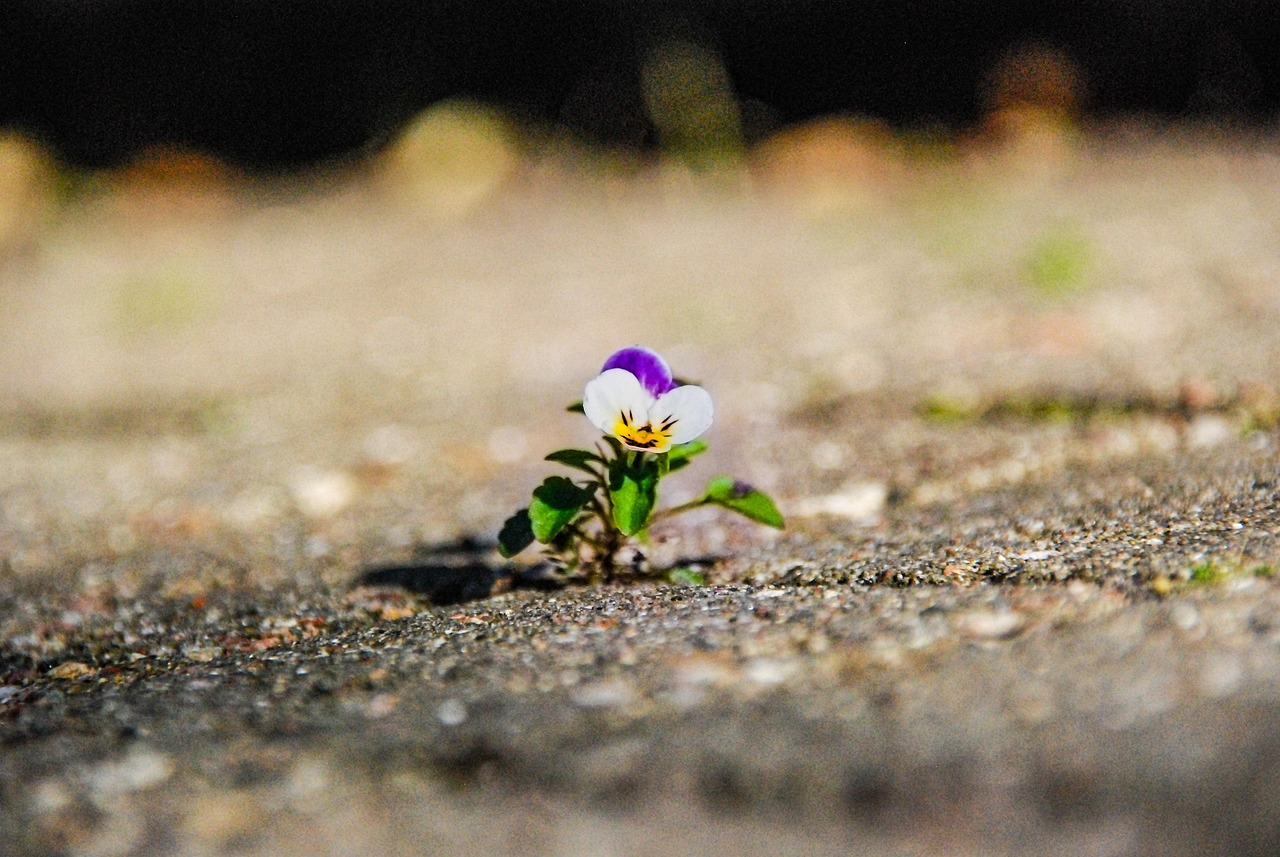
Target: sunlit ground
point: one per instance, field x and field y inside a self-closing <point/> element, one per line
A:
<point x="375" y="354"/>
<point x="1015" y="389"/>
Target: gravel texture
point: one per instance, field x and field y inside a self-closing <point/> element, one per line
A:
<point x="1019" y="404"/>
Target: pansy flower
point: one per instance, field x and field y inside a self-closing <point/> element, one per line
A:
<point x="635" y="400"/>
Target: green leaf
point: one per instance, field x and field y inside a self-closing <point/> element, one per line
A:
<point x="516" y="534"/>
<point x="634" y="492"/>
<point x="576" y="408"/>
<point x="678" y="456"/>
<point x="745" y="500"/>
<point x="555" y="503"/>
<point x="684" y="576"/>
<point x="579" y="458"/>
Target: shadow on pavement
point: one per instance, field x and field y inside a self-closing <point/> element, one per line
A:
<point x="447" y="573"/>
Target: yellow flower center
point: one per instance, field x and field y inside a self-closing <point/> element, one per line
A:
<point x="644" y="437"/>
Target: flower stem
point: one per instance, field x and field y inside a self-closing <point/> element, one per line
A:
<point x="676" y="510"/>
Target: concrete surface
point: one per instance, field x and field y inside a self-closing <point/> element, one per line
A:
<point x="1019" y="405"/>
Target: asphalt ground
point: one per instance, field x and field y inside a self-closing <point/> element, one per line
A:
<point x="1018" y="401"/>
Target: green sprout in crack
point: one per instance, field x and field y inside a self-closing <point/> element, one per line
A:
<point x="1207" y="572"/>
<point x="652" y="427"/>
<point x="1211" y="572"/>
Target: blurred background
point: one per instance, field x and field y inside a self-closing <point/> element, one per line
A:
<point x="334" y="263"/>
<point x="284" y="84"/>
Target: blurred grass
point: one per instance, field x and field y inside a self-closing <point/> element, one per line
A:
<point x="161" y="301"/>
<point x="1058" y="261"/>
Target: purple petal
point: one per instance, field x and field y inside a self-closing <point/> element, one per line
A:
<point x="652" y="370"/>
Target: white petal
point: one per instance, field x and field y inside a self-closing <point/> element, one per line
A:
<point x="614" y="392"/>
<point x="691" y="409"/>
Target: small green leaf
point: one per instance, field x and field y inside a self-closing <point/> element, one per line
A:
<point x="634" y="492"/>
<point x="686" y="577"/>
<point x="1057" y="264"/>
<point x="555" y="503"/>
<point x="678" y="456"/>
<point x="745" y="500"/>
<point x="579" y="458"/>
<point x="576" y="408"/>
<point x="1207" y="572"/>
<point x="516" y="534"/>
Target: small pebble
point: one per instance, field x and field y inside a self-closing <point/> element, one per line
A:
<point x="1184" y="616"/>
<point x="70" y="670"/>
<point x="989" y="624"/>
<point x="1208" y="430"/>
<point x="214" y="821"/>
<point x="769" y="672"/>
<point x="604" y="694"/>
<point x="322" y="493"/>
<point x="309" y="777"/>
<point x="382" y="704"/>
<point x="452" y="712"/>
<point x="202" y="654"/>
<point x="50" y="796"/>
<point x="703" y="672"/>
<point x="140" y="769"/>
